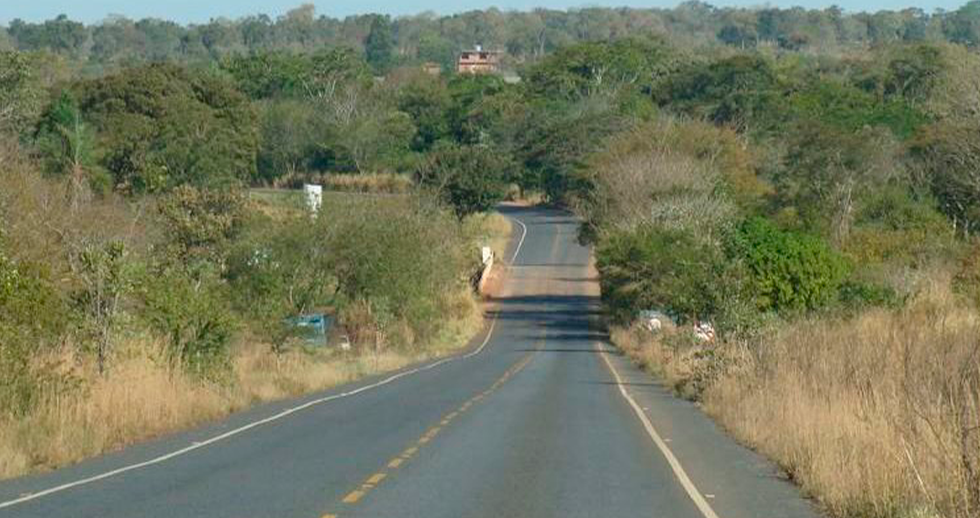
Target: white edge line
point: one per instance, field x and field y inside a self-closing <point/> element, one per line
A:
<point x="260" y="422"/>
<point x="521" y="242"/>
<point x="681" y="475"/>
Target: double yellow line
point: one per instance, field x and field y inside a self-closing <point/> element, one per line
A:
<point x="376" y="479"/>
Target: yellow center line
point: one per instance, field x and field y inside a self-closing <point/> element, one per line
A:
<point x="353" y="496"/>
<point x="375" y="480"/>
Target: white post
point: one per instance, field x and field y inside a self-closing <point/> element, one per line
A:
<point x="486" y="253"/>
<point x="314" y="197"/>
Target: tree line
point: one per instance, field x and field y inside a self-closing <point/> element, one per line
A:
<point x="523" y="36"/>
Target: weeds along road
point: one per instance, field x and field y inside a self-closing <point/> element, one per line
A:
<point x="541" y="421"/>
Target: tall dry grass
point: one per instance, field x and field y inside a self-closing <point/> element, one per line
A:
<point x="145" y="397"/>
<point x="874" y="416"/>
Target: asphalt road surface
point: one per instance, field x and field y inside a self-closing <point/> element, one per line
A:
<point x="539" y="418"/>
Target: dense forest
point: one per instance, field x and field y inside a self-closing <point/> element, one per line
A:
<point x="524" y="36"/>
<point x="806" y="180"/>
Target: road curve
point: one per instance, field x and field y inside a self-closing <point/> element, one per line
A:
<point x="543" y="422"/>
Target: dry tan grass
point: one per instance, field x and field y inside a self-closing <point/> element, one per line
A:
<point x="874" y="416"/>
<point x="144" y="396"/>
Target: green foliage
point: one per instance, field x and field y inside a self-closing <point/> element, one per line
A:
<point x="789" y="271"/>
<point x="32" y="317"/>
<point x="468" y="178"/>
<point x="741" y="90"/>
<point x="552" y="142"/>
<point x="67" y="142"/>
<point x="850" y="109"/>
<point x="467" y="124"/>
<point x="399" y="259"/>
<point x="669" y="270"/>
<point x="426" y="100"/>
<point x="104" y="280"/>
<point x="199" y="224"/>
<point x="380" y="45"/>
<point x="949" y="153"/>
<point x="162" y="126"/>
<point x="279" y="268"/>
<point x="20" y="92"/>
<point x="269" y="74"/>
<point x="590" y="68"/>
<point x="288" y="144"/>
<point x="191" y="311"/>
<point x="862" y="295"/>
<point x="827" y="172"/>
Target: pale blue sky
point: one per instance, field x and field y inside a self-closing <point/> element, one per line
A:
<point x="202" y="10"/>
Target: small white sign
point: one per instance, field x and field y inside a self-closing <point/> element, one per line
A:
<point x="314" y="197"/>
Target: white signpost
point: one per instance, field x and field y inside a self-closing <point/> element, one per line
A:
<point x="314" y="197"/>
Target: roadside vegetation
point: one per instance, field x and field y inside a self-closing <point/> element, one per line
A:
<point x="805" y="181"/>
<point x="817" y="213"/>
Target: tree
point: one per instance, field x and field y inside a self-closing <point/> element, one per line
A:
<point x="426" y="100"/>
<point x="162" y="126"/>
<point x="949" y="154"/>
<point x="287" y="140"/>
<point x="269" y="74"/>
<point x="199" y="224"/>
<point x="654" y="268"/>
<point x="280" y="268"/>
<point x="379" y="45"/>
<point x="468" y="178"/>
<point x="104" y="280"/>
<point x="20" y="92"/>
<point x="789" y="271"/>
<point x="68" y="144"/>
<point x="740" y="91"/>
<point x="827" y="171"/>
<point x="591" y="68"/>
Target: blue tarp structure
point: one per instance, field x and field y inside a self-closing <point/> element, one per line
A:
<point x="313" y="327"/>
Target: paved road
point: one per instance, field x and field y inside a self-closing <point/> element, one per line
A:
<point x="534" y="425"/>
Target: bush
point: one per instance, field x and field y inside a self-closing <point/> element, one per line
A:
<point x="657" y="268"/>
<point x="398" y="259"/>
<point x="191" y="311"/>
<point x="468" y="178"/>
<point x="789" y="271"/>
<point x="860" y="295"/>
<point x="31" y="317"/>
<point x="967" y="279"/>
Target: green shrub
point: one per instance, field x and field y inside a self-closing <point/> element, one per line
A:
<point x="652" y="267"/>
<point x="858" y="295"/>
<point x="32" y="316"/>
<point x="790" y="271"/>
<point x="398" y="259"/>
<point x="470" y="178"/>
<point x="191" y="310"/>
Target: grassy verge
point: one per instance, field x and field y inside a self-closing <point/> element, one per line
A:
<point x="876" y="415"/>
<point x="145" y="395"/>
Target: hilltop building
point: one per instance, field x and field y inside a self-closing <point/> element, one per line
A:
<point x="478" y="61"/>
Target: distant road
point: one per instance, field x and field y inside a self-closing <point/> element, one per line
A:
<point x="533" y="422"/>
